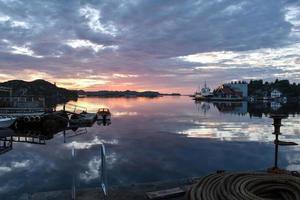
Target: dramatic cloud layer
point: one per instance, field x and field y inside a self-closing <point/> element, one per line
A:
<point x="161" y="45"/>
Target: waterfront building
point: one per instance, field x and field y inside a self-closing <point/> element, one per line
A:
<point x="275" y="94"/>
<point x="235" y="91"/>
<point x="241" y="87"/>
<point x="226" y="92"/>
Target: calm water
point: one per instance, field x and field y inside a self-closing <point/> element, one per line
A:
<point x="159" y="139"/>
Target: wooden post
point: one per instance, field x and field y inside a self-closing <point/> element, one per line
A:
<point x="10" y="97"/>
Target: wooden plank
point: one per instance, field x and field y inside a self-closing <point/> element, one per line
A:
<point x="163" y="194"/>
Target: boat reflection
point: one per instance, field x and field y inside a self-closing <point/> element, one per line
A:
<point x="6" y="144"/>
<point x="106" y="122"/>
<point x="40" y="134"/>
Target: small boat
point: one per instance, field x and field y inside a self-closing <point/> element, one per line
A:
<point x="6" y="122"/>
<point x="83" y="118"/>
<point x="103" y="114"/>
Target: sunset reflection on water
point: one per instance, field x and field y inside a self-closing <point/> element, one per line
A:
<point x="151" y="139"/>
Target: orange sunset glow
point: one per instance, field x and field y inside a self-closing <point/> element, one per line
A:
<point x="149" y="99"/>
<point x="175" y="51"/>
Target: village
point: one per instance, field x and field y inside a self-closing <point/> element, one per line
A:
<point x="252" y="92"/>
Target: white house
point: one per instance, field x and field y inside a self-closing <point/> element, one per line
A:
<point x="275" y="94"/>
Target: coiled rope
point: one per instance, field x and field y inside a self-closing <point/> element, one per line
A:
<point x="246" y="186"/>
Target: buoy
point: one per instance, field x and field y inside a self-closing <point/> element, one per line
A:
<point x="26" y="119"/>
<point x="32" y="119"/>
<point x="37" y="118"/>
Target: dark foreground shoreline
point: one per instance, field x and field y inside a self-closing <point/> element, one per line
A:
<point x="131" y="192"/>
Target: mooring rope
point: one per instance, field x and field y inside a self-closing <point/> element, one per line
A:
<point x="246" y="186"/>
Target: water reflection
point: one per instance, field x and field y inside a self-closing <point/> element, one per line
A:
<point x="159" y="139"/>
<point x="240" y="108"/>
<point x="257" y="109"/>
<point x="39" y="133"/>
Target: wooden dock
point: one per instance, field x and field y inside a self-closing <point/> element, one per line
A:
<point x="132" y="192"/>
<point x="17" y="112"/>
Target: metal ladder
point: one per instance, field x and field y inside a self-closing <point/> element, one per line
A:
<point x="102" y="172"/>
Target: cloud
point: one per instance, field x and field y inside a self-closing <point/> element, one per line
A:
<point x="88" y="44"/>
<point x="93" y="170"/>
<point x="87" y="145"/>
<point x="286" y="57"/>
<point x="23" y="50"/>
<point x="142" y="38"/>
<point x="14" y="165"/>
<point x="93" y="18"/>
<point x="4" y="170"/>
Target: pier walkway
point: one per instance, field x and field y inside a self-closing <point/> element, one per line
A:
<point x="21" y="111"/>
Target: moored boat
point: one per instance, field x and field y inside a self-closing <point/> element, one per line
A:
<point x="6" y="122"/>
<point x="205" y="93"/>
<point x="83" y="118"/>
<point x="104" y="114"/>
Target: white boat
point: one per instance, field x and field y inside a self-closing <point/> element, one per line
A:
<point x="204" y="93"/>
<point x="6" y="122"/>
<point x="103" y="114"/>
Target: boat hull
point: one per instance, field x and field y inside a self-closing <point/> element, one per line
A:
<point x="7" y="122"/>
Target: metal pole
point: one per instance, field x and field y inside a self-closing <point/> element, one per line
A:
<point x="73" y="178"/>
<point x="103" y="170"/>
<point x="276" y="152"/>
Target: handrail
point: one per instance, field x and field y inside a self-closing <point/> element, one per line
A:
<point x="76" y="106"/>
<point x="103" y="178"/>
<point x="102" y="171"/>
<point x="73" y="177"/>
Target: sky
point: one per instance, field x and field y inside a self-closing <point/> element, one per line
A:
<point x="162" y="45"/>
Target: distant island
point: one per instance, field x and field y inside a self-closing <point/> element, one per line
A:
<point x="53" y="93"/>
<point x="127" y="94"/>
